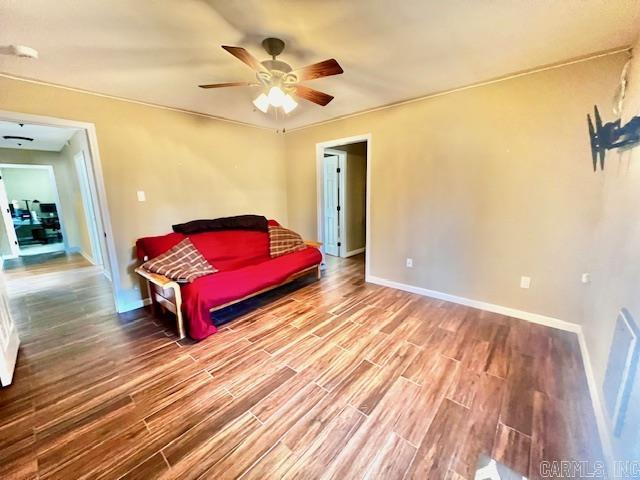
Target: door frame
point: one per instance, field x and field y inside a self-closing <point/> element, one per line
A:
<point x="342" y="199"/>
<point x="9" y="228"/>
<point x="52" y="180"/>
<point x="91" y="214"/>
<point x="340" y="142"/>
<point x="111" y="257"/>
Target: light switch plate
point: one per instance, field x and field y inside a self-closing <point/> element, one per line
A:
<point x="525" y="282"/>
<point x="141" y="196"/>
<point x="409" y="262"/>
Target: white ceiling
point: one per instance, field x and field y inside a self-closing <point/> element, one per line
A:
<point x="44" y="138"/>
<point x="391" y="50"/>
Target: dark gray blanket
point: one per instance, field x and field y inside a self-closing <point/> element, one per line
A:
<point x="240" y="222"/>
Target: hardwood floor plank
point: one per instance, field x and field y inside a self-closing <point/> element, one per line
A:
<point x="153" y="467"/>
<point x="260" y="440"/>
<point x="440" y="444"/>
<point x="370" y="395"/>
<point x="274" y="464"/>
<point x="199" y="457"/>
<point x="393" y="460"/>
<point x="327" y="445"/>
<point x="517" y="407"/>
<point x="481" y="425"/>
<point x="420" y="410"/>
<point x="512" y="448"/>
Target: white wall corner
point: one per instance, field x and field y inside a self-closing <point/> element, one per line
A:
<point x="133" y="304"/>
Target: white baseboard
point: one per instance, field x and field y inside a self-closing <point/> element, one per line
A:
<point x="489" y="307"/>
<point x="596" y="402"/>
<point x="351" y="253"/>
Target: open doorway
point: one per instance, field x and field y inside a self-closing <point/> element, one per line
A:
<point x="45" y="193"/>
<point x="343" y="197"/>
<point x="31" y="204"/>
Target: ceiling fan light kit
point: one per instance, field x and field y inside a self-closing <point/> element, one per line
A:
<point x="279" y="81"/>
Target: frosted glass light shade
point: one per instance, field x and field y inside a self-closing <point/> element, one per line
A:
<point x="262" y="103"/>
<point x="288" y="104"/>
<point x="276" y="96"/>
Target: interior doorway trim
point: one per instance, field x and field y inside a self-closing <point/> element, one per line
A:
<point x="320" y="148"/>
<point x="103" y="207"/>
<point x="56" y="194"/>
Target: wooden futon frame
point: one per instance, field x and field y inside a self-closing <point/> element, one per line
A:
<point x="165" y="293"/>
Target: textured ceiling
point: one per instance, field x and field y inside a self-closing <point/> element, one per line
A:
<point x="159" y="51"/>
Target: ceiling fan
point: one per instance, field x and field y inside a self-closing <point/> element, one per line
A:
<point x="279" y="80"/>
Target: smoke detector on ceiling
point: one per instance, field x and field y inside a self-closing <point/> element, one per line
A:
<point x="19" y="51"/>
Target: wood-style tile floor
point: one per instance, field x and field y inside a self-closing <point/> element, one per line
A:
<point x="339" y="379"/>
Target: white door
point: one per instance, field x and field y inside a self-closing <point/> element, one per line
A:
<point x="9" y="340"/>
<point x="9" y="228"/>
<point x="88" y="207"/>
<point x="331" y="206"/>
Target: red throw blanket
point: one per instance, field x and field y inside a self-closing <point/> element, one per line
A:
<point x="226" y="286"/>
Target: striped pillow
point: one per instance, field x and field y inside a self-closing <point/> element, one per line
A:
<point x="182" y="263"/>
<point x="283" y="241"/>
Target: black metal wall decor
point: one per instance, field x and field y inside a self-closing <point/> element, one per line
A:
<point x="611" y="135"/>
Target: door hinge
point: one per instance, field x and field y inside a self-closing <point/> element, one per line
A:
<point x="339" y="244"/>
<point x="338" y="208"/>
<point x="338" y="169"/>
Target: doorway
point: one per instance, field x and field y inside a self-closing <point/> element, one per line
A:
<point x="31" y="207"/>
<point x="343" y="180"/>
<point x="69" y="149"/>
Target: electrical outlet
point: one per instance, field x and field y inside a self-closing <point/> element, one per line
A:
<point x="586" y="278"/>
<point x="525" y="282"/>
<point x="409" y="262"/>
<point x="141" y="196"/>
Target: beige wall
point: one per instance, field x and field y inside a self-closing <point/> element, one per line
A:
<point x="189" y="166"/>
<point x="356" y="185"/>
<point x="479" y="187"/>
<point x="66" y="183"/>
<point x="616" y="254"/>
<point x="28" y="184"/>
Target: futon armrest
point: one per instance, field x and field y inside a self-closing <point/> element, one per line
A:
<point x="158" y="295"/>
<point x="313" y="243"/>
<point x="156" y="278"/>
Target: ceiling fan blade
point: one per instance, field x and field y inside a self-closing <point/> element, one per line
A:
<point x="245" y="57"/>
<point x="312" y="95"/>
<point x="319" y="70"/>
<point x="229" y="84"/>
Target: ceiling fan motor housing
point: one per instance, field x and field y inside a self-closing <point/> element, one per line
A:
<point x="273" y="46"/>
